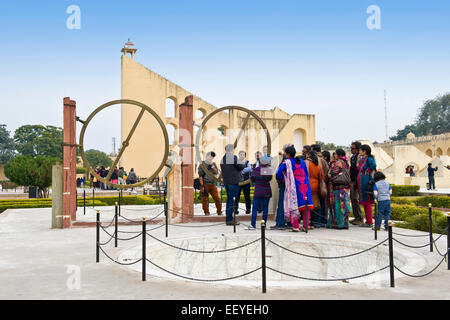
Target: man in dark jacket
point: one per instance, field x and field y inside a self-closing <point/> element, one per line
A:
<point x="431" y="176"/>
<point x="231" y="168"/>
<point x="354" y="195"/>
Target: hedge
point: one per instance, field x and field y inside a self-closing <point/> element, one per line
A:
<point x="397" y="200"/>
<point x="436" y="201"/>
<point x="401" y="191"/>
<point x="420" y="222"/>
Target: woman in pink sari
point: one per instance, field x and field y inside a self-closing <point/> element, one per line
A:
<point x="297" y="197"/>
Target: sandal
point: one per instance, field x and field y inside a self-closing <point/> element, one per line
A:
<point x="302" y="229"/>
<point x="294" y="230"/>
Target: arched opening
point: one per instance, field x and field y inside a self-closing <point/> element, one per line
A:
<point x="429" y="153"/>
<point x="170" y="108"/>
<point x="298" y="140"/>
<point x="439" y="152"/>
<point x="200" y="114"/>
<point x="171" y="130"/>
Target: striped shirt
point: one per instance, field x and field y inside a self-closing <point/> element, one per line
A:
<point x="262" y="182"/>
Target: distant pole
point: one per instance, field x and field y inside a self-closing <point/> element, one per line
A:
<point x="385" y="115"/>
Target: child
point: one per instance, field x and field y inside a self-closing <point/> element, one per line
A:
<point x="261" y="177"/>
<point x="382" y="191"/>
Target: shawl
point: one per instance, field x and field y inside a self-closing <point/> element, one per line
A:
<point x="290" y="195"/>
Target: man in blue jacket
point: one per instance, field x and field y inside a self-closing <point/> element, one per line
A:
<point x="231" y="168"/>
<point x="431" y="176"/>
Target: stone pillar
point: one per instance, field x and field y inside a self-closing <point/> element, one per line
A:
<point x="186" y="134"/>
<point x="57" y="199"/>
<point x="69" y="163"/>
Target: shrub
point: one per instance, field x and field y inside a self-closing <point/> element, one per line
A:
<point x="401" y="201"/>
<point x="436" y="201"/>
<point x="403" y="212"/>
<point x="420" y="222"/>
<point x="402" y="191"/>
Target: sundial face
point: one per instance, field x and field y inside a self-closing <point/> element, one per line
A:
<point x="229" y="108"/>
<point x="125" y="143"/>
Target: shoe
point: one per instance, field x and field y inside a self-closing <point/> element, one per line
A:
<point x="366" y="225"/>
<point x="248" y="212"/>
<point x="356" y="222"/>
<point x="378" y="228"/>
<point x="295" y="230"/>
<point x="219" y="213"/>
<point x="231" y="223"/>
<point x="236" y="213"/>
<point x="207" y="213"/>
<point x="277" y="228"/>
<point x="251" y="228"/>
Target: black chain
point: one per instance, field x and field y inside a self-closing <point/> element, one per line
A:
<point x="104" y="244"/>
<point x="318" y="257"/>
<point x="203" y="280"/>
<point x="313" y="279"/>
<point x="409" y="246"/>
<point x="123" y="208"/>
<point x="198" y="251"/>
<point x="121" y="263"/>
<point x="123" y="239"/>
<point x="423" y="275"/>
<point x="410" y="235"/>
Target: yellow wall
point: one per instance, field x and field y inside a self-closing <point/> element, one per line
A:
<point x="147" y="145"/>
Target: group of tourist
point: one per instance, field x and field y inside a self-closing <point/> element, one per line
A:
<point x="316" y="189"/>
<point x="118" y="176"/>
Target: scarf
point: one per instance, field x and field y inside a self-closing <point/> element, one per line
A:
<point x="290" y="195"/>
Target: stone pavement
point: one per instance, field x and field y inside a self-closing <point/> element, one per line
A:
<point x="35" y="260"/>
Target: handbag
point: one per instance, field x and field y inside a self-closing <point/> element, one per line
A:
<point x="342" y="178"/>
<point x="322" y="184"/>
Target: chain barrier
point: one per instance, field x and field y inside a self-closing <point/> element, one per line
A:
<point x="111" y="235"/>
<point x="104" y="244"/>
<point x="198" y="251"/>
<point x="444" y="231"/>
<point x="410" y="235"/>
<point x="314" y="279"/>
<point x="409" y="246"/>
<point x="150" y="219"/>
<point x="124" y="208"/>
<point x="423" y="275"/>
<point x="121" y="263"/>
<point x="439" y="252"/>
<point x="202" y="280"/>
<point x="325" y="258"/>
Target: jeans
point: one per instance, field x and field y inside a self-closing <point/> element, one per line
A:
<point x="265" y="209"/>
<point x="280" y="221"/>
<point x="431" y="181"/>
<point x="248" y="204"/>
<point x="384" y="210"/>
<point x="232" y="194"/>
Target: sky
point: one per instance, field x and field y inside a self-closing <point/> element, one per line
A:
<point x="308" y="57"/>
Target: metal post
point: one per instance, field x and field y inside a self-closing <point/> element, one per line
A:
<point x="144" y="247"/>
<point x="376" y="221"/>
<point x="391" y="255"/>
<point x="116" y="225"/>
<point x="93" y="197"/>
<point x="448" y="241"/>
<point x="234" y="220"/>
<point x="84" y="202"/>
<point x="430" y="222"/>
<point x="166" y="210"/>
<point x="263" y="255"/>
<point x="98" y="238"/>
<point x="306" y="218"/>
<point x="120" y="200"/>
<point x="76" y="201"/>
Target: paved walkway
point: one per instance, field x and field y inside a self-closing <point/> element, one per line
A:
<point x="34" y="261"/>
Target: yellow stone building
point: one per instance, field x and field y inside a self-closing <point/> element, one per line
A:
<point x="147" y="145"/>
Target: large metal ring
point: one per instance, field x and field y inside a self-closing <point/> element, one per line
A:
<point x="125" y="143"/>
<point x="199" y="134"/>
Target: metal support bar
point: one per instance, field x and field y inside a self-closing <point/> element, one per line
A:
<point x="391" y="255"/>
<point x="263" y="255"/>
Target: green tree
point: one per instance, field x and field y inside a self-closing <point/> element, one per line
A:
<point x="31" y="171"/>
<point x="98" y="158"/>
<point x="329" y="146"/>
<point x="433" y="118"/>
<point x="7" y="150"/>
<point x="37" y="140"/>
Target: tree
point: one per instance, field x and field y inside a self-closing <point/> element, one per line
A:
<point x="329" y="146"/>
<point x="433" y="118"/>
<point x="98" y="158"/>
<point x="37" y="140"/>
<point x="31" y="171"/>
<point x="7" y="150"/>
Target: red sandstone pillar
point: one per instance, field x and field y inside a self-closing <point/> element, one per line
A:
<point x="69" y="163"/>
<point x="186" y="134"/>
